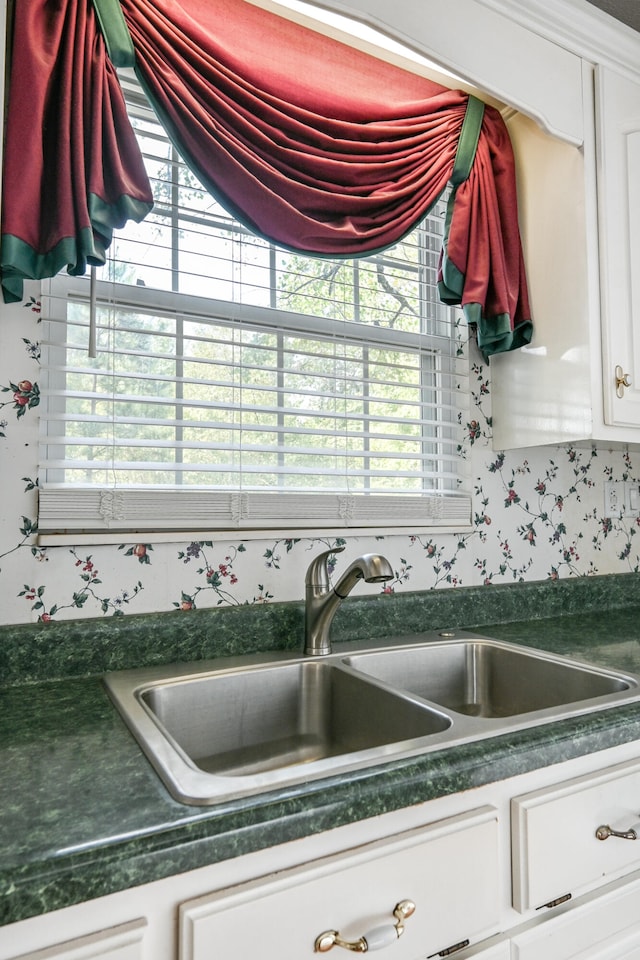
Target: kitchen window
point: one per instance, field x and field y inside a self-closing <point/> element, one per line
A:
<point x="240" y="386"/>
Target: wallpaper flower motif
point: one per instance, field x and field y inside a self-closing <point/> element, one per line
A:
<point x="537" y="514"/>
<point x="26" y="395"/>
<point x="217" y="578"/>
<point x="87" y="590"/>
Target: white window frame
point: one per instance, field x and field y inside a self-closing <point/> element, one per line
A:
<point x="98" y="511"/>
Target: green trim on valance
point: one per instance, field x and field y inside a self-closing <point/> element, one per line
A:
<point x="494" y="333"/>
<point x="115" y="32"/>
<point x="451" y="286"/>
<point x="19" y="261"/>
<point x="468" y="140"/>
<point x="107" y="217"/>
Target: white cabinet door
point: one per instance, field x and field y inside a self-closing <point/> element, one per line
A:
<point x="556" y="851"/>
<point x="449" y="869"/>
<point x="618" y="143"/>
<point x="123" y="942"/>
<point x="602" y="928"/>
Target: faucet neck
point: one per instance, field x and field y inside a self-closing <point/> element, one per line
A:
<point x="317" y="575"/>
<point x="322" y="601"/>
<point x="320" y="610"/>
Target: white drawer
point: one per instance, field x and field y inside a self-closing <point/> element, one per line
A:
<point x="449" y="869"/>
<point x="555" y="848"/>
<point x="602" y="926"/>
<point x="123" y="942"/>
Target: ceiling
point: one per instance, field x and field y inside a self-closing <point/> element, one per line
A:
<point x="628" y="11"/>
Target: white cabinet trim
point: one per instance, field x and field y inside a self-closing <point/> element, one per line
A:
<point x="579" y="27"/>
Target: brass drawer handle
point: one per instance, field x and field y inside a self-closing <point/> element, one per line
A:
<point x="622" y="380"/>
<point x="605" y="831"/>
<point x="373" y="940"/>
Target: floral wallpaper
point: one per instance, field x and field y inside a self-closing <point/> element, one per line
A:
<point x="537" y="514"/>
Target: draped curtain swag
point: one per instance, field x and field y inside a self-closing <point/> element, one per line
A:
<point x="316" y="146"/>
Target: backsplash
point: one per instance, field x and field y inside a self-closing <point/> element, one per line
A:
<point x="538" y="514"/>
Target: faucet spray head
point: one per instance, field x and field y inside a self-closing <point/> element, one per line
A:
<point x="379" y="569"/>
<point x="370" y="567"/>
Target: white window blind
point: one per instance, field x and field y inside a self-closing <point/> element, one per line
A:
<point x="239" y="386"/>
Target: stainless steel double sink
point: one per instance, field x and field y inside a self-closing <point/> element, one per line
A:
<point x="223" y="729"/>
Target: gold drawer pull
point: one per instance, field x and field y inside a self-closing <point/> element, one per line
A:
<point x="605" y="831"/>
<point x="622" y="380"/>
<point x="373" y="940"/>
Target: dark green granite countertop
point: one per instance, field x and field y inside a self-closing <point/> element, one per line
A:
<point x="83" y="814"/>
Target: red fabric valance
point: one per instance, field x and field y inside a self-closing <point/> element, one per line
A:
<point x="314" y="145"/>
<point x="311" y="143"/>
<point x="72" y="167"/>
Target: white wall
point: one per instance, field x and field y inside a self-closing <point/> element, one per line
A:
<point x="537" y="514"/>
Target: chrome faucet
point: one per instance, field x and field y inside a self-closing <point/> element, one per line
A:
<point x="322" y="601"/>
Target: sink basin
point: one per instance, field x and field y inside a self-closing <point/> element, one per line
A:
<point x="252" y="721"/>
<point x="220" y="730"/>
<point x="484" y="678"/>
<point x="240" y="731"/>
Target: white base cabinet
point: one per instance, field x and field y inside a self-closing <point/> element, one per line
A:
<point x="481" y="868"/>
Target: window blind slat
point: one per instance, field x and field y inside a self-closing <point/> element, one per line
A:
<point x="134" y="510"/>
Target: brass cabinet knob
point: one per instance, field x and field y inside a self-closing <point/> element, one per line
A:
<point x="622" y="380"/>
<point x="605" y="831"/>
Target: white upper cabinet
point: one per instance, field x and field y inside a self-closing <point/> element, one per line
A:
<point x="569" y="80"/>
<point x="618" y="127"/>
<point x="580" y="377"/>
